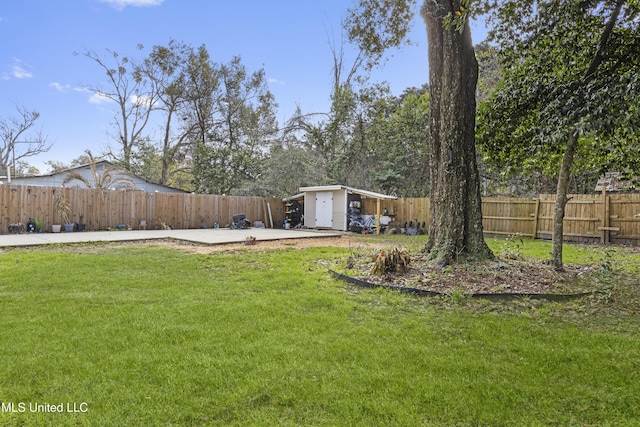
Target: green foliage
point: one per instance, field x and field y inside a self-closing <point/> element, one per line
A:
<point x="457" y="296"/>
<point x="376" y="26"/>
<point x="284" y="171"/>
<point x="171" y="73"/>
<point x="376" y="141"/>
<point x="513" y="247"/>
<point x="145" y="160"/>
<point x="457" y="18"/>
<point x="489" y="69"/>
<point x="39" y="224"/>
<point x="564" y="70"/>
<point x="240" y="126"/>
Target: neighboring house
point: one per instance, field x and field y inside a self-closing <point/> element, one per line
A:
<point x="120" y="178"/>
<point x="612" y="183"/>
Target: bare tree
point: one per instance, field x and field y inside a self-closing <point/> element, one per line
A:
<point x="20" y="130"/>
<point x="134" y="98"/>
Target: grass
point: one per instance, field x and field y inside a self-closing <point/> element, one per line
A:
<point x="150" y="335"/>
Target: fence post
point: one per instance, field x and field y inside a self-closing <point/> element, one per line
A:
<point x="535" y="218"/>
<point x="606" y="230"/>
<point x="603" y="215"/>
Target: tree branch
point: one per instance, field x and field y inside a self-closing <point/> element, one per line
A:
<point x="602" y="44"/>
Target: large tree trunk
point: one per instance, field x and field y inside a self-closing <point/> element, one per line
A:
<point x="455" y="232"/>
<point x="561" y="201"/>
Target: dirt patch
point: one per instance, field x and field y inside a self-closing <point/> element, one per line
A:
<point x="491" y="277"/>
<point x="345" y="241"/>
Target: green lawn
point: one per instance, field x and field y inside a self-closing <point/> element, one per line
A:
<point x="150" y="335"/>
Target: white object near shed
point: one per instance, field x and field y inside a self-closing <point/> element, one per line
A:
<point x="327" y="206"/>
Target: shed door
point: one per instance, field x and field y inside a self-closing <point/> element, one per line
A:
<point x="324" y="209"/>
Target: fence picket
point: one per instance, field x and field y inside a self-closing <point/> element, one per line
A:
<point x="586" y="214"/>
<point x="102" y="210"/>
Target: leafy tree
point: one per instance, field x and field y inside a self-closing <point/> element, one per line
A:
<point x="25" y="169"/>
<point x="368" y="137"/>
<point x="456" y="217"/>
<point x="358" y="152"/>
<point x="330" y="137"/>
<point x="242" y="126"/>
<point x="168" y="69"/>
<point x="403" y="165"/>
<point x="146" y="161"/>
<point x="56" y="166"/>
<point x="569" y="91"/>
<point x="19" y="139"/>
<point x="202" y="85"/>
<point x="488" y="70"/>
<point x="285" y="171"/>
<point x="388" y="144"/>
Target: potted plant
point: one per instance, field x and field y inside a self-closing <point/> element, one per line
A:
<point x="39" y="225"/>
<point x="81" y="225"/>
<point x="63" y="208"/>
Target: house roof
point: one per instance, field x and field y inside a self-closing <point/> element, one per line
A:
<point x="365" y="193"/>
<point x="99" y="164"/>
<point x="611" y="182"/>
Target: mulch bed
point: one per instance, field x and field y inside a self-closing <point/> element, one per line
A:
<point x="502" y="278"/>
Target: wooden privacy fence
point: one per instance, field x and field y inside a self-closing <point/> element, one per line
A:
<point x="410" y="209"/>
<point x="100" y="210"/>
<point x="588" y="217"/>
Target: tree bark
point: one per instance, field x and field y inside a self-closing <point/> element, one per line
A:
<point x="455" y="232"/>
<point x="561" y="201"/>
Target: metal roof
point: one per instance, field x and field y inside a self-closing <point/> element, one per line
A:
<point x="364" y="193"/>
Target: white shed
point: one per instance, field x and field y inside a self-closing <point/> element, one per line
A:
<point x="328" y="206"/>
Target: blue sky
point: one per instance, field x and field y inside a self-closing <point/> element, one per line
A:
<point x="288" y="38"/>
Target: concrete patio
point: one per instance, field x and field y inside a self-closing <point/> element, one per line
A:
<point x="203" y="236"/>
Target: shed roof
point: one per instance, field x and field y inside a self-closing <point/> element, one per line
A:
<point x="365" y="193"/>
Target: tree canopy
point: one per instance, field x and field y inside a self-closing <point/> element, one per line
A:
<point x="566" y="67"/>
<point x="569" y="90"/>
<point x="241" y="127"/>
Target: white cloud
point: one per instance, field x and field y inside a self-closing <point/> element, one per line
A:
<point x="121" y="4"/>
<point x="19" y="71"/>
<point x="276" y="81"/>
<point x="100" y="98"/>
<point x="59" y="87"/>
